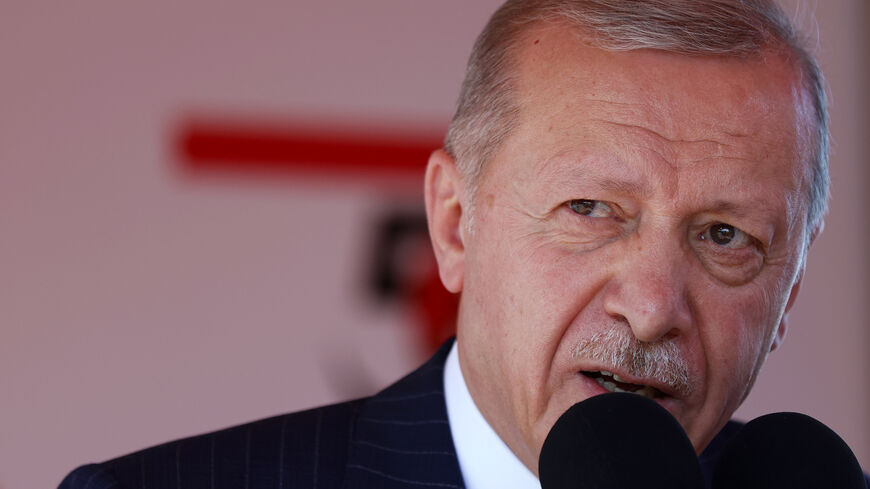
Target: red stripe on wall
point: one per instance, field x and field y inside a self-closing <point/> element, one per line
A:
<point x="207" y="147"/>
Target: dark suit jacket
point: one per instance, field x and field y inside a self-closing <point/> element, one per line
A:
<point x="398" y="438"/>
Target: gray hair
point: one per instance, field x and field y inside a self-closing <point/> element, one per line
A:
<point x="487" y="114"/>
<point x="618" y="349"/>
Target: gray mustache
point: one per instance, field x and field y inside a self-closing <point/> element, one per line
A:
<point x="661" y="361"/>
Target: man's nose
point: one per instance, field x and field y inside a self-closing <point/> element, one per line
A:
<point x="648" y="291"/>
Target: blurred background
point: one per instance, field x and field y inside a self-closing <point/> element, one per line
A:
<point x="172" y="265"/>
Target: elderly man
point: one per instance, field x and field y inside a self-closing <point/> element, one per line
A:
<point x="625" y="201"/>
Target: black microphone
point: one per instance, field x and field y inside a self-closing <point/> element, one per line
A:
<point x="618" y="441"/>
<point x="787" y="450"/>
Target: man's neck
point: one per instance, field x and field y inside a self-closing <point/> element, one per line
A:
<point x="485" y="460"/>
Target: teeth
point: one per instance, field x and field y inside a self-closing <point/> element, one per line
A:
<point x="645" y="391"/>
<point x="616" y="377"/>
<point x="608" y="385"/>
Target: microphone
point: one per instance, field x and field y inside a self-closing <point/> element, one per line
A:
<point x="787" y="450"/>
<point x="618" y="441"/>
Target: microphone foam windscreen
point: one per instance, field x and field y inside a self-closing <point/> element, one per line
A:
<point x="787" y="450"/>
<point x="618" y="441"/>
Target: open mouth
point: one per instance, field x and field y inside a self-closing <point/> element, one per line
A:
<point x="614" y="383"/>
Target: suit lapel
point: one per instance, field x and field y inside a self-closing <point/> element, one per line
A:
<point x="402" y="437"/>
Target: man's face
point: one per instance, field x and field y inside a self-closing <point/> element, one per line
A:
<point x="646" y="203"/>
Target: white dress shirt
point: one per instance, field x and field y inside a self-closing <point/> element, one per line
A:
<point x="485" y="460"/>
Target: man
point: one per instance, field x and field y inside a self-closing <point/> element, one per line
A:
<point x="625" y="201"/>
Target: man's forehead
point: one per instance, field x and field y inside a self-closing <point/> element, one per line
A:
<point x="594" y="111"/>
<point x="560" y="69"/>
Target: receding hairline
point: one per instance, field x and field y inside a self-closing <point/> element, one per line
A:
<point x="774" y="49"/>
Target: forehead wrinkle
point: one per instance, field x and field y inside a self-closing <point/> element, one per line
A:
<point x="653" y="119"/>
<point x="611" y="102"/>
<point x="658" y="135"/>
<point x="653" y="125"/>
<point x="672" y="150"/>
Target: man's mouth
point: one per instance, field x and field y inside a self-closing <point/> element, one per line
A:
<point x="614" y="383"/>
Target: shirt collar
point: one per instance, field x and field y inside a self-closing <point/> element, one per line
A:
<point x="484" y="458"/>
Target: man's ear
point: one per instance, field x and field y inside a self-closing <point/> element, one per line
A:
<point x="783" y="324"/>
<point x="443" y="189"/>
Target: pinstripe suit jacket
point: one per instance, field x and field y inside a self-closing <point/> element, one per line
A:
<point x="399" y="438"/>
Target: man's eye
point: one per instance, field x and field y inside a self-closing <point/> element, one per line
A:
<point x="726" y="235"/>
<point x="590" y="208"/>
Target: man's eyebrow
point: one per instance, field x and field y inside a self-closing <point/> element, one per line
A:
<point x="755" y="208"/>
<point x="621" y="186"/>
<point x="597" y="174"/>
<point x="614" y="184"/>
<point x="729" y="207"/>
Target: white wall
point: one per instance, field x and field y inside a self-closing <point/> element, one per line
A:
<point x="138" y="305"/>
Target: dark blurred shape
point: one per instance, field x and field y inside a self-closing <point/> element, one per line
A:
<point x="618" y="441"/>
<point x="787" y="450"/>
<point x="295" y="148"/>
<point x="398" y="234"/>
<point x="404" y="268"/>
